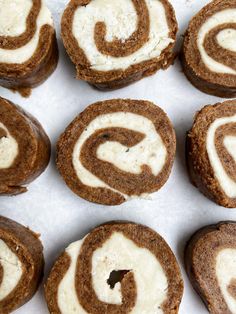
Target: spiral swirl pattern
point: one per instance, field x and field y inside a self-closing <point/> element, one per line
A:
<point x="211" y="145"/>
<point x="24" y="148"/>
<point x="210" y="261"/>
<point x="221" y="143"/>
<point x="217" y="42"/>
<point x="21" y="264"/>
<point x="84" y="274"/>
<point x="106" y="38"/>
<point x="117" y="149"/>
<point x="27" y="43"/>
<point x="209" y="50"/>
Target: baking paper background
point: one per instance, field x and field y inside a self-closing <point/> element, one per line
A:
<point x="50" y="208"/>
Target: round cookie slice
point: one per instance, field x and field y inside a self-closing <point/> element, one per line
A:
<point x="117" y="268"/>
<point x="210" y="263"/>
<point x="211" y="152"/>
<point x="209" y="49"/>
<point x="28" y="46"/>
<point x="21" y="264"/>
<point x="113" y="44"/>
<point x="116" y="150"/>
<point x="24" y="149"/>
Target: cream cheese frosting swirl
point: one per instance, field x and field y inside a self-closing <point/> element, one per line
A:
<point x="209" y="49"/>
<point x="119" y="149"/>
<point x="103" y="273"/>
<point x="28" y="47"/>
<point x="106" y="38"/>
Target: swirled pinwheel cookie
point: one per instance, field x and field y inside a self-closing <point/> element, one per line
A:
<point x="21" y="265"/>
<point x="209" y="49"/>
<point x="210" y="263"/>
<point x="211" y="152"/>
<point x="116" y="150"/>
<point x="114" y="43"/>
<point x="24" y="149"/>
<point x="28" y="46"/>
<point x="117" y="268"/>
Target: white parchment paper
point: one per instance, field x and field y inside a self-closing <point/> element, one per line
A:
<point x="50" y="208"/>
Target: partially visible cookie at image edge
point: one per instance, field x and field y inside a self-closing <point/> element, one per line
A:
<point x="28" y="45"/>
<point x="118" y="267"/>
<point x="209" y="49"/>
<point x="24" y="148"/>
<point x="210" y="257"/>
<point x="21" y="264"/>
<point x="210" y="152"/>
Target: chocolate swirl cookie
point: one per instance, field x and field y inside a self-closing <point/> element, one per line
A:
<point x="117" y="149"/>
<point x="24" y="148"/>
<point x="210" y="263"/>
<point x="117" y="268"/>
<point x="21" y="265"/>
<point x="209" y="49"/>
<point x="28" y="46"/>
<point x="113" y="44"/>
<point x="211" y="147"/>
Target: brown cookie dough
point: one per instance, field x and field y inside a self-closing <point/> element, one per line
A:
<point x="116" y="150"/>
<point x="210" y="152"/>
<point x="209" y="55"/>
<point x="24" y="149"/>
<point x="210" y="258"/>
<point x="118" y="267"/>
<point x="110" y="56"/>
<point x="27" y="59"/>
<point x="21" y="264"/>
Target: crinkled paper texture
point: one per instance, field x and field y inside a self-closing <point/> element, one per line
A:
<point x="51" y="209"/>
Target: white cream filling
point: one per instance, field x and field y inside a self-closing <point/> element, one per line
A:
<point x="68" y="302"/>
<point x="12" y="270"/>
<point x="120" y="18"/>
<point x="8" y="149"/>
<point x="13" y="15"/>
<point x="225" y="39"/>
<point x="230" y="144"/>
<point x="225" y="272"/>
<point x="117" y="253"/>
<point x="150" y="151"/>
<point x="225" y="181"/>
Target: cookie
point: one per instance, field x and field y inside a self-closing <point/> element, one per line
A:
<point x="24" y="149"/>
<point x="210" y="263"/>
<point x="116" y="150"/>
<point x="114" y="44"/>
<point x="117" y="268"/>
<point x="209" y="49"/>
<point x="21" y="264"/>
<point x="211" y="152"/>
<point x="28" y="46"/>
